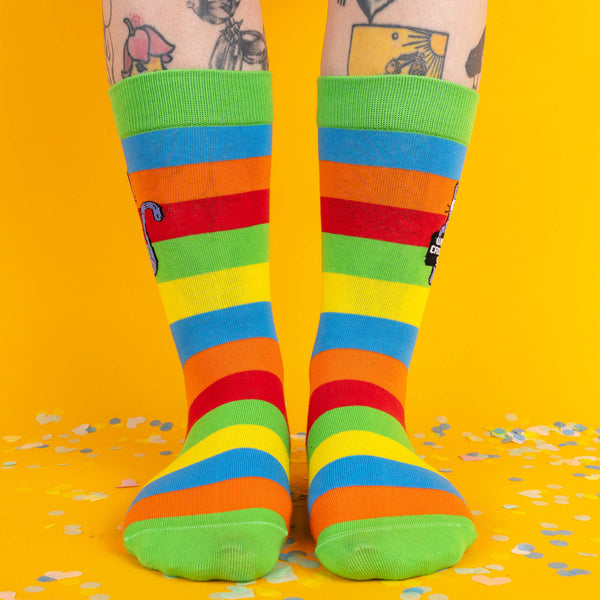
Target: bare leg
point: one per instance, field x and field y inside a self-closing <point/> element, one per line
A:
<point x="440" y="38"/>
<point x="183" y="34"/>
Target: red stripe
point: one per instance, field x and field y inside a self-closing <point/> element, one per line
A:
<point x="351" y="392"/>
<point x="245" y="385"/>
<point x="379" y="222"/>
<point x="209" y="214"/>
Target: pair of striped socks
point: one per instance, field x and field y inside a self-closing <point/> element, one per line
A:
<point x="197" y="145"/>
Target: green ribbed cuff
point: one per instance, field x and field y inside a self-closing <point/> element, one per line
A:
<point x="191" y="97"/>
<point x="409" y="103"/>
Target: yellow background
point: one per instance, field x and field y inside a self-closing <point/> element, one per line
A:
<point x="512" y="324"/>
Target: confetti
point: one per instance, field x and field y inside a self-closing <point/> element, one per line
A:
<point x="490" y="580"/>
<point x="127" y="483"/>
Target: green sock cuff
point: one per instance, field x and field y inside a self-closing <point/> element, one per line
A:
<point x="190" y="98"/>
<point x="409" y="103"/>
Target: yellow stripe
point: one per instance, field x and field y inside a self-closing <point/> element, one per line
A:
<point x="228" y="438"/>
<point x="353" y="443"/>
<point x="402" y="302"/>
<point x="202" y="293"/>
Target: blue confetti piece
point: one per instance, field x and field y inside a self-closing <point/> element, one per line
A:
<point x="518" y="430"/>
<point x="563" y="532"/>
<point x="428" y="443"/>
<point x="526" y="547"/>
<point x="559" y="543"/>
<point x="444" y="426"/>
<point x="166" y="452"/>
<point x="43" y="446"/>
<point x="166" y="426"/>
<point x="565" y="573"/>
<point x="515" y="479"/>
<point x="560" y="424"/>
<point x="558" y="565"/>
<point x="579" y="427"/>
<point x="579" y="475"/>
<point x="155" y="423"/>
<point x="547" y="532"/>
<point x="569" y="443"/>
<point x="45" y="579"/>
<point x="568" y="431"/>
<point x="534" y="555"/>
<point x="506" y="440"/>
<point x="594" y="467"/>
<point x="580" y="572"/>
<point x="85" y="450"/>
<point x="91" y="429"/>
<point x="417" y="589"/>
<point x="114" y="421"/>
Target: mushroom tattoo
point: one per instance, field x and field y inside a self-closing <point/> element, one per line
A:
<point x="145" y="50"/>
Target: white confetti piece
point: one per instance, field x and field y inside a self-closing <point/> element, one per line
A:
<point x="531" y="493"/>
<point x="500" y="538"/>
<point x="510" y="506"/>
<point x="34" y="589"/>
<point x="495" y="567"/>
<point x="281" y="573"/>
<point x="510" y="417"/>
<point x="89" y="585"/>
<point x="44" y="419"/>
<point x="549" y="525"/>
<point x="582" y="517"/>
<point x="156" y="439"/>
<point x="8" y="595"/>
<point x="64" y="450"/>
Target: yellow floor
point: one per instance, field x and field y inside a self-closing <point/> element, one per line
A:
<point x="66" y="486"/>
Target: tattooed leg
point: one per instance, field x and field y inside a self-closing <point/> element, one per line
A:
<point x="436" y="38"/>
<point x="193" y="108"/>
<point x="145" y="35"/>
<point x="395" y="112"/>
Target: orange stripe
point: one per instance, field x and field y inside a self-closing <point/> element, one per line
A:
<point x="203" y="180"/>
<point x="370" y="502"/>
<point x="211" y="365"/>
<point x="362" y="365"/>
<point x="390" y="187"/>
<point x="223" y="496"/>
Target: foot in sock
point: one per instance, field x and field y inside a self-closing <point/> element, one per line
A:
<point x="389" y="174"/>
<point x="197" y="146"/>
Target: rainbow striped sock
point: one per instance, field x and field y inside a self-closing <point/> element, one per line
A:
<point x="391" y="152"/>
<point x="197" y="145"/>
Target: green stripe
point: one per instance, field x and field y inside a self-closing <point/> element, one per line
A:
<point x="214" y="251"/>
<point x="191" y="97"/>
<point x="234" y="545"/>
<point x="375" y="259"/>
<point x="355" y="418"/>
<point x="239" y="412"/>
<point x="410" y="103"/>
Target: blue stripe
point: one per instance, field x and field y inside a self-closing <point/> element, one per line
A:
<point x="345" y="330"/>
<point x="374" y="470"/>
<point x="199" y="332"/>
<point x="395" y="149"/>
<point x="191" y="145"/>
<point x="239" y="462"/>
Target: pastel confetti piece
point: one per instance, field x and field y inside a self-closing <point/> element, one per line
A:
<point x="8" y="595"/>
<point x="495" y="567"/>
<point x="558" y="565"/>
<point x="156" y="439"/>
<point x="531" y="493"/>
<point x="34" y="589"/>
<point x="523" y="548"/>
<point x="437" y="597"/>
<point x="81" y="429"/>
<point x="582" y="517"/>
<point x="510" y="506"/>
<point x="57" y="575"/>
<point x="10" y="439"/>
<point x="44" y="419"/>
<point x="127" y="483"/>
<point x="235" y="595"/>
<point x="490" y="580"/>
<point x="133" y="422"/>
<point x="89" y="585"/>
<point x="281" y="573"/>
<point x="99" y="597"/>
<point x="499" y="538"/>
<point x="64" y="450"/>
<point x="31" y="445"/>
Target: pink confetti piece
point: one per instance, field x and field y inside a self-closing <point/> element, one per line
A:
<point x="62" y="574"/>
<point x="491" y="580"/>
<point x="8" y="595"/>
<point x="30" y="445"/>
<point x="81" y="429"/>
<point x="127" y="483"/>
<point x="469" y="457"/>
